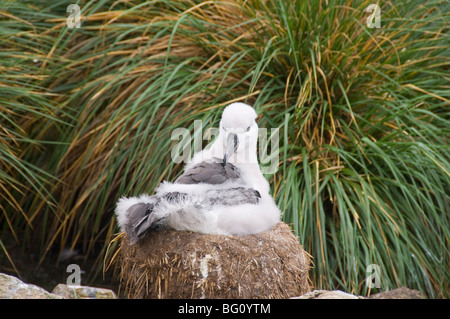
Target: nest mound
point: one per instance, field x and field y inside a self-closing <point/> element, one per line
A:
<point x="182" y="264"/>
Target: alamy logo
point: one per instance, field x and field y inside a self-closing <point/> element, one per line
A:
<point x="374" y="20"/>
<point x="73" y="20"/>
<point x="268" y="156"/>
<point x="74" y="279"/>
<point x="373" y="279"/>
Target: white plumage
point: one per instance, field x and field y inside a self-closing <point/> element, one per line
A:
<point x="222" y="190"/>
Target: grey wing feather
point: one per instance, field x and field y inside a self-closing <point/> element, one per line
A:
<point x="233" y="196"/>
<point x="209" y="173"/>
<point x="140" y="220"/>
<point x="140" y="217"/>
<point x="231" y="171"/>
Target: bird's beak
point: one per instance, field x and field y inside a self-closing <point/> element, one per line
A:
<point x="231" y="146"/>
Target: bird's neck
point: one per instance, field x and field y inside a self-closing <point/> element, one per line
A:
<point x="244" y="155"/>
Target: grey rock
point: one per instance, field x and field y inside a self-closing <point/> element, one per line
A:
<point x="83" y="292"/>
<point x="13" y="288"/>
<point x="399" y="293"/>
<point x="327" y="294"/>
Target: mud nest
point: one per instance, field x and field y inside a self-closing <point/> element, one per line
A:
<point x="182" y="264"/>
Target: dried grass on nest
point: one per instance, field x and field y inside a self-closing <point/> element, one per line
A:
<point x="182" y="264"/>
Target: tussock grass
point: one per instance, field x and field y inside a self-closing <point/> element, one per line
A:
<point x="363" y="175"/>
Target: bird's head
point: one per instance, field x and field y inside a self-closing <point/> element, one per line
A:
<point x="239" y="132"/>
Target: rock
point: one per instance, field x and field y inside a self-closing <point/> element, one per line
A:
<point x="83" y="292"/>
<point x="327" y="294"/>
<point x="182" y="264"/>
<point x="13" y="288"/>
<point x="399" y="293"/>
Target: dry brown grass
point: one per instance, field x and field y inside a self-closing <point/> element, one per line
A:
<point x="186" y="265"/>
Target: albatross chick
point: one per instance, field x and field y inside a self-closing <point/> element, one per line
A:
<point x="222" y="190"/>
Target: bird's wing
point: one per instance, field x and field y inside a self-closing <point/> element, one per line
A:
<point x="233" y="196"/>
<point x="209" y="173"/>
<point x="139" y="220"/>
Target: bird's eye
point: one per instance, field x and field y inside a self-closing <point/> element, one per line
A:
<point x="248" y="128"/>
